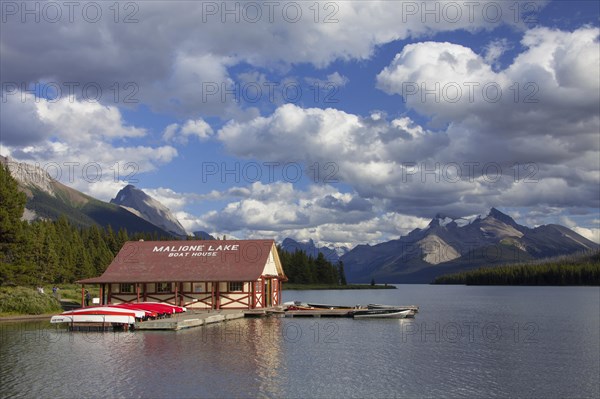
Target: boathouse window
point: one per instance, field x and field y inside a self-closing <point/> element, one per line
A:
<point x="125" y="288"/>
<point x="163" y="287"/>
<point x="236" y="286"/>
<point x="198" y="287"/>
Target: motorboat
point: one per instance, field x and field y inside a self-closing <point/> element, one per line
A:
<point x="389" y="313"/>
<point x="325" y="306"/>
<point x="413" y="309"/>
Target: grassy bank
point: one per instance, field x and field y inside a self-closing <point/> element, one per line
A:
<point x="565" y="270"/>
<point x="72" y="292"/>
<point x="287" y="286"/>
<point x="27" y="301"/>
<point x="16" y="301"/>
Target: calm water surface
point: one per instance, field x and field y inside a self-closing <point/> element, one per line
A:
<point x="466" y="342"/>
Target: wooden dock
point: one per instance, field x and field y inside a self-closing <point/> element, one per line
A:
<point x="190" y="319"/>
<point x="200" y="318"/>
<point x="319" y="313"/>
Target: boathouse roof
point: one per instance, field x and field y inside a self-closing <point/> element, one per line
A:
<point x="181" y="261"/>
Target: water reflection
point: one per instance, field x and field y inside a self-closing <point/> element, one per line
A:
<point x="266" y="343"/>
<point x="240" y="358"/>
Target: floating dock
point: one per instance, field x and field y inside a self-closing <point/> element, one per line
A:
<point x="199" y="318"/>
<point x="189" y="320"/>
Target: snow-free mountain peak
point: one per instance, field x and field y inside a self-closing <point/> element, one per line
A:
<point x="31" y="176"/>
<point x="496" y="214"/>
<point x="138" y="202"/>
<point x="49" y="199"/>
<point x="451" y="245"/>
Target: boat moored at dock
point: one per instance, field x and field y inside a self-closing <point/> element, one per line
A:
<point x="300" y="309"/>
<point x="382" y="313"/>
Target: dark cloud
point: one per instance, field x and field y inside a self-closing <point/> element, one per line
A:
<point x="19" y="123"/>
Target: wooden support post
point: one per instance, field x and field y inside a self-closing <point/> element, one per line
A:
<point x="264" y="293"/>
<point x="109" y="294"/>
<point x="102" y="294"/>
<point x="218" y="296"/>
<point x="249" y="296"/>
<point x="83" y="295"/>
<point x="274" y="291"/>
<point x="271" y="289"/>
<point x="144" y="287"/>
<point x="176" y="293"/>
<point x="137" y="290"/>
<point x="279" y="291"/>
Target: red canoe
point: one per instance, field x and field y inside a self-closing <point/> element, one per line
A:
<point x="158" y="307"/>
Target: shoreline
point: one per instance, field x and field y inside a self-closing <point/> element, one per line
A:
<point x="294" y="287"/>
<point x="307" y="287"/>
<point x="26" y="317"/>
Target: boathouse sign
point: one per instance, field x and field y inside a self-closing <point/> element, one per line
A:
<point x="195" y="250"/>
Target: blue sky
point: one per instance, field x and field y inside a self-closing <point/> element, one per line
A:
<point x="353" y="125"/>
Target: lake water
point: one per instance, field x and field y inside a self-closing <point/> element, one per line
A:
<point x="465" y="342"/>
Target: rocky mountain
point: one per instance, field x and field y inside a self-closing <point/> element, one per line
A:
<point x="49" y="199"/>
<point x="450" y="245"/>
<point x="332" y="254"/>
<point x="203" y="235"/>
<point x="141" y="204"/>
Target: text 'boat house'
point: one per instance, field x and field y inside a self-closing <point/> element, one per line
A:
<point x="215" y="274"/>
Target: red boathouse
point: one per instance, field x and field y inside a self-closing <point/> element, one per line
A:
<point x="227" y="274"/>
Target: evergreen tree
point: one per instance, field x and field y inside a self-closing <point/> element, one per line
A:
<point x="48" y="261"/>
<point x="100" y="254"/>
<point x="342" y="273"/>
<point x="111" y="240"/>
<point x="322" y="270"/>
<point x="122" y="237"/>
<point x="301" y="268"/>
<point x="12" y="204"/>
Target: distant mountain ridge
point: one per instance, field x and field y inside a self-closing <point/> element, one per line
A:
<point x="50" y="199"/>
<point x="138" y="202"/>
<point x="203" y="235"/>
<point x="452" y="245"/>
<point x="331" y="254"/>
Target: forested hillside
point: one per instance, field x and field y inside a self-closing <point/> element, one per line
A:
<point x="51" y="252"/>
<point x="304" y="269"/>
<point x="581" y="269"/>
<point x="58" y="252"/>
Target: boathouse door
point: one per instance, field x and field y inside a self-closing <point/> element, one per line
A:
<point x="268" y="297"/>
